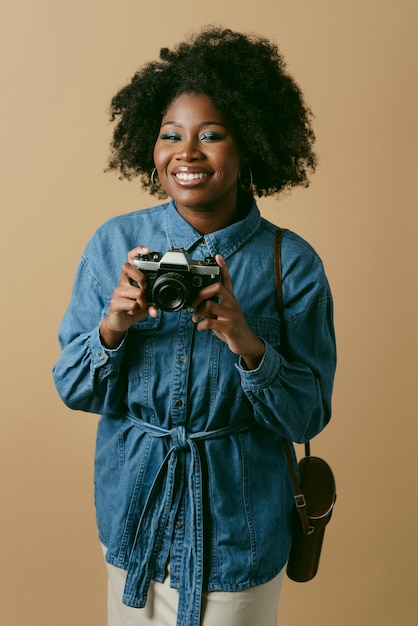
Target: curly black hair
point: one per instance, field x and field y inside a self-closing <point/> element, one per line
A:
<point x="245" y="77"/>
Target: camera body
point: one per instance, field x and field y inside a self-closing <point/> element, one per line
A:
<point x="174" y="279"/>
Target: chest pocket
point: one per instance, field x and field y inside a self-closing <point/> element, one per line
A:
<point x="228" y="378"/>
<point x="267" y="328"/>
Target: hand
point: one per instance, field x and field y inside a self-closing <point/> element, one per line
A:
<point x="226" y="319"/>
<point x="128" y="304"/>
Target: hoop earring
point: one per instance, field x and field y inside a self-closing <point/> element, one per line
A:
<point x="152" y="178"/>
<point x="246" y="185"/>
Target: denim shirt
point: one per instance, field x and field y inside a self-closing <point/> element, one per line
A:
<point x="189" y="464"/>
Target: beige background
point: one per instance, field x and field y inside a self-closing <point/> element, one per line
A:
<point x="357" y="63"/>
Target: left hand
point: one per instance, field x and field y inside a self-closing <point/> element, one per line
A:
<point x="226" y="319"/>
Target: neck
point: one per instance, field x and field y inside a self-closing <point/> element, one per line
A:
<point x="207" y="221"/>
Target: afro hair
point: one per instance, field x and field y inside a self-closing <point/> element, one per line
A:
<point x="245" y="77"/>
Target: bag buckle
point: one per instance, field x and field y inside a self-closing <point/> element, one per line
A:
<point x="300" y="501"/>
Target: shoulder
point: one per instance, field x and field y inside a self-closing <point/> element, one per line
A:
<point x="304" y="279"/>
<point x="108" y="247"/>
<point x="305" y="284"/>
<point x="127" y="221"/>
<point x="126" y="231"/>
<point x="294" y="247"/>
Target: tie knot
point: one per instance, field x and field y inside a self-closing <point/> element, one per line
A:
<point x="178" y="437"/>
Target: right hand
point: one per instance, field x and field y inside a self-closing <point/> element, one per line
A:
<point x="128" y="304"/>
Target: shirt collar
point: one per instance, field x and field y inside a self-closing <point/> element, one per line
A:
<point x="181" y="234"/>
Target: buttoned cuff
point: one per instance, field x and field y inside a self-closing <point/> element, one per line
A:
<point x="100" y="355"/>
<point x="264" y="374"/>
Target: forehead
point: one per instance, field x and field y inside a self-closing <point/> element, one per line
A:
<point x="193" y="109"/>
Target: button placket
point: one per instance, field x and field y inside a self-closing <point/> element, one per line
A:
<point x="181" y="370"/>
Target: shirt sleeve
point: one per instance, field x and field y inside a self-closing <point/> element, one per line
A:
<point x="87" y="375"/>
<point x="291" y="389"/>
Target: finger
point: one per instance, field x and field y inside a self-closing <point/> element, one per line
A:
<point x="210" y="309"/>
<point x="226" y="278"/>
<point x="220" y="327"/>
<point x="130" y="274"/>
<point x="213" y="293"/>
<point x="135" y="251"/>
<point x="202" y="312"/>
<point x="153" y="311"/>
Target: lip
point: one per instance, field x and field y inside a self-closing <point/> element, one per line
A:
<point x="190" y="176"/>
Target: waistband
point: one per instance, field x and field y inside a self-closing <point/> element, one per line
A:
<point x="152" y="524"/>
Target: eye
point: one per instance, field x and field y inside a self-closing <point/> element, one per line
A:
<point x="170" y="136"/>
<point x="212" y="136"/>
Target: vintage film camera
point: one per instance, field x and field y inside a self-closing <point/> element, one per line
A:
<point x="174" y="279"/>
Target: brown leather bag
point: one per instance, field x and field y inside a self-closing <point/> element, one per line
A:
<point x="315" y="490"/>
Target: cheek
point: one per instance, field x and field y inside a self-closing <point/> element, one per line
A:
<point x="232" y="164"/>
<point x="156" y="157"/>
<point x="161" y="157"/>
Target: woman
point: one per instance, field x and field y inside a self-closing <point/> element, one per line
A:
<point x="192" y="487"/>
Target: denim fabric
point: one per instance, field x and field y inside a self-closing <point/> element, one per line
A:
<point x="189" y="462"/>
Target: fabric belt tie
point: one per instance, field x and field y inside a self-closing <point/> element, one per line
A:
<point x="163" y="498"/>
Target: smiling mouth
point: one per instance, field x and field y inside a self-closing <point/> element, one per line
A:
<point x="190" y="177"/>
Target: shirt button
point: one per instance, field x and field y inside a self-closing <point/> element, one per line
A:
<point x="183" y="358"/>
<point x="101" y="356"/>
<point x="179" y="525"/>
<point x="204" y="242"/>
<point x="178" y="403"/>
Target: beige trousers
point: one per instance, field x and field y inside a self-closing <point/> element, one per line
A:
<point x="253" y="607"/>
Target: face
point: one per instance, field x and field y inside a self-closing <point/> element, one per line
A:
<point x="197" y="157"/>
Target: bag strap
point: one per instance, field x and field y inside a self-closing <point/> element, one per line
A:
<point x="299" y="497"/>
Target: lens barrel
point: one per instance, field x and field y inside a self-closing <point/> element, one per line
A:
<point x="171" y="292"/>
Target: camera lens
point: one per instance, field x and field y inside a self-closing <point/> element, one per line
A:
<point x="170" y="292"/>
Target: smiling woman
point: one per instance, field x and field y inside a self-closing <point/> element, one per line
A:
<point x="193" y="495"/>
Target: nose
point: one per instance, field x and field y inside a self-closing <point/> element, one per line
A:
<point x="189" y="150"/>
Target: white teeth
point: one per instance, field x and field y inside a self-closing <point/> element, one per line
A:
<point x="185" y="176"/>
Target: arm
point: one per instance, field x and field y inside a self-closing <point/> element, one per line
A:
<point x="290" y="388"/>
<point x="89" y="373"/>
<point x="291" y="394"/>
